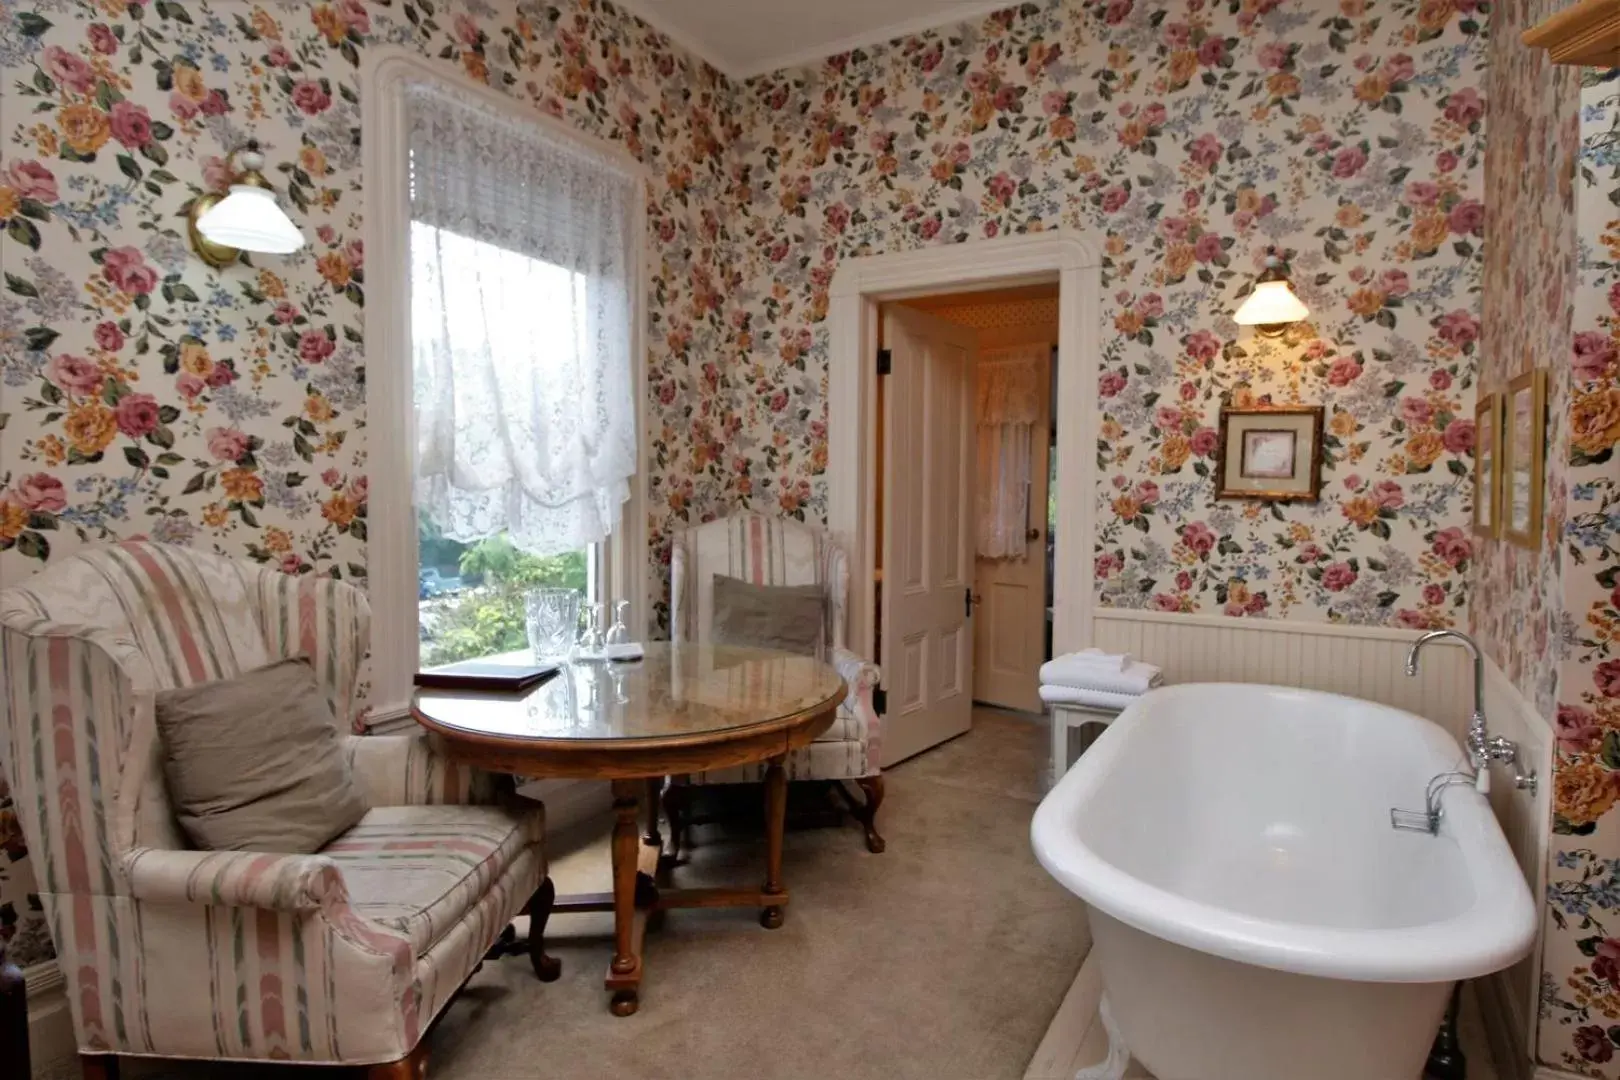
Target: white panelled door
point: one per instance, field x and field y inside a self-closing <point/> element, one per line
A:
<point x="928" y="474"/>
<point x="1009" y="642"/>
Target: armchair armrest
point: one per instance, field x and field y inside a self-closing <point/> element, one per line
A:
<point x="235" y="879"/>
<point x="862" y="678"/>
<point x="406" y="770"/>
<point x="858" y="673"/>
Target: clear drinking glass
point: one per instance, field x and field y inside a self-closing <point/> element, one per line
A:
<point x="550" y="617"/>
<point x="590" y="635"/>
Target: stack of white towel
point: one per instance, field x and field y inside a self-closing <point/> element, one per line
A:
<point x="1093" y="677"/>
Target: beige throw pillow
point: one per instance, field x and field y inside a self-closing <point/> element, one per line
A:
<point x="254" y="763"/>
<point x="788" y="617"/>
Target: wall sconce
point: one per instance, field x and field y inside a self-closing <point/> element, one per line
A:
<point x="1272" y="307"/>
<point x="247" y="218"/>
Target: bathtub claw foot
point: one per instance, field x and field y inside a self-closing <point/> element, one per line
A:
<point x="1118" y="1060"/>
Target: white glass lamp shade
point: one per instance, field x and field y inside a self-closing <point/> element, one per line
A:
<point x="249" y="219"/>
<point x="1272" y="303"/>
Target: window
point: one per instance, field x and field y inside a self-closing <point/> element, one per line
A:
<point x="506" y="389"/>
<point x="470" y="592"/>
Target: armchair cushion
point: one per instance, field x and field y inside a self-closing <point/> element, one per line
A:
<point x="418" y="870"/>
<point x="788" y="617"/>
<point x="254" y="764"/>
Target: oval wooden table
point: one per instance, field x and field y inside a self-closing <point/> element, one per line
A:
<point x="685" y="708"/>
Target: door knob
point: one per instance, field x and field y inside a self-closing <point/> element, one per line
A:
<point x="1032" y="535"/>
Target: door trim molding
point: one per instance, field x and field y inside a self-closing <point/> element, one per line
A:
<point x="859" y="285"/>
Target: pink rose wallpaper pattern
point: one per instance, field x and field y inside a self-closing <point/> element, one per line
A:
<point x="1581" y="983"/>
<point x="145" y="393"/>
<point x="1185" y="138"/>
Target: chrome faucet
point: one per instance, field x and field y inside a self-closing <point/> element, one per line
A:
<point x="1482" y="747"/>
<point x="1478" y="749"/>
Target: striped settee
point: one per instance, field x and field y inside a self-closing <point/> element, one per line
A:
<point x="344" y="956"/>
<point x="776" y="551"/>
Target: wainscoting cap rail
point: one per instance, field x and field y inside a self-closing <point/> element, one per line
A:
<point x="1289" y="626"/>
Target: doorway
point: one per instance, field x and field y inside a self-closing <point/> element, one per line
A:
<point x="860" y="287"/>
<point x="1011" y="443"/>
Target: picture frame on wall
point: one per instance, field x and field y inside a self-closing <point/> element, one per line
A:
<point x="1270" y="452"/>
<point x="1488" y="466"/>
<point x="1523" y="453"/>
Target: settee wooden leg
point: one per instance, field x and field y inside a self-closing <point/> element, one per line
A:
<point x="413" y="1066"/>
<point x="867" y="814"/>
<point x="99" y="1066"/>
<point x="546" y="968"/>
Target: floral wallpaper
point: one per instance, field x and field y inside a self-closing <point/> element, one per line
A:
<point x="1581" y="977"/>
<point x="1186" y="137"/>
<point x="1530" y="279"/>
<point x="142" y="392"/>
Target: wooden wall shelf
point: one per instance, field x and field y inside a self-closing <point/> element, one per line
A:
<point x="1587" y="33"/>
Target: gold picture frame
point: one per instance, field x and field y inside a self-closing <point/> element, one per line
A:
<point x="1524" y="458"/>
<point x="1270" y="452"/>
<point x="1488" y="466"/>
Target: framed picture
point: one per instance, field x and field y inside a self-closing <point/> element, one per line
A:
<point x="1270" y="452"/>
<point x="1523" y="452"/>
<point x="1488" y="466"/>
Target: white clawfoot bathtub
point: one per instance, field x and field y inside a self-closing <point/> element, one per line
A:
<point x="1254" y="915"/>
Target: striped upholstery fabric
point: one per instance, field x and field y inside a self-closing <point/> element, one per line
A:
<point x="776" y="551"/>
<point x="234" y="955"/>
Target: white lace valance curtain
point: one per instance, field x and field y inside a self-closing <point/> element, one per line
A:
<point x="521" y="309"/>
<point x="1008" y="407"/>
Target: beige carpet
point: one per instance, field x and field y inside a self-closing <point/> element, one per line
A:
<point x="944" y="958"/>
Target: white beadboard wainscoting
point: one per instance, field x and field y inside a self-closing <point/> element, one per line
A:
<point x="1370" y="663"/>
<point x="1509" y="998"/>
<point x="1360" y="661"/>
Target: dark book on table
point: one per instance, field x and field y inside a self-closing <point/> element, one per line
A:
<point x="486" y="676"/>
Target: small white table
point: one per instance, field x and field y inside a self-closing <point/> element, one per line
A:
<point x="1086" y="719"/>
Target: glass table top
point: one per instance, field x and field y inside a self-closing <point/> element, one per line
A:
<point x="675" y="691"/>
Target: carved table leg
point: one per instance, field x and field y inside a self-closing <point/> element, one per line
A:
<point x="626" y="966"/>
<point x="775" y="824"/>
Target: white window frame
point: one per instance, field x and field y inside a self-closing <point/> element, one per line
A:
<point x="391" y="547"/>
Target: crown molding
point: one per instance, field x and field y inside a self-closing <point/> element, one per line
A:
<point x="644" y="10"/>
<point x="949" y="15"/>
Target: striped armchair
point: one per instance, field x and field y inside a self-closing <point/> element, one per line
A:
<point x="775" y="551"/>
<point x="342" y="957"/>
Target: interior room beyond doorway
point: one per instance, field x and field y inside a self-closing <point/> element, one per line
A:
<point x="1000" y="457"/>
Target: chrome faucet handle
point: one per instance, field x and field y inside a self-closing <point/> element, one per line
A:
<point x="1506" y="751"/>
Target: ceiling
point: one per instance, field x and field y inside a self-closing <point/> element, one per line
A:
<point x="752" y="37"/>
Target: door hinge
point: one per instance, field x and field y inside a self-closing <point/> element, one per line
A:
<point x="885" y="361"/>
<point x="967" y="596"/>
<point x="880" y="701"/>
